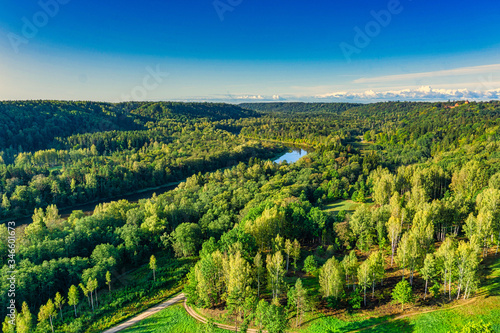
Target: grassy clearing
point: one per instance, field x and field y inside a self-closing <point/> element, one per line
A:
<point x="173" y="319"/>
<point x="347" y="205"/>
<point x="337" y="206"/>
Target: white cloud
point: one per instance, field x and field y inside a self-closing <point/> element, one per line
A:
<point x="251" y="97"/>
<point x="419" y="94"/>
<point x="475" y="70"/>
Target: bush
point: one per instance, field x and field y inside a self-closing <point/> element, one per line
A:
<point x="320" y="251"/>
<point x="402" y="293"/>
<point x="480" y="327"/>
<point x="355" y="299"/>
<point x="434" y="290"/>
<point x="310" y="265"/>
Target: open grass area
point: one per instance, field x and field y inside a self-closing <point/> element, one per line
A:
<point x="337" y="206"/>
<point x="173" y="319"/>
<point x="347" y="205"/>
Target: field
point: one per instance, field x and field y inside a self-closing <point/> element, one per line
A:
<point x="173" y="320"/>
<point x="347" y="205"/>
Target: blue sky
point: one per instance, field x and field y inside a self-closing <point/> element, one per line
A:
<point x="242" y="50"/>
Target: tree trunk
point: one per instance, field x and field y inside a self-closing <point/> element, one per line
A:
<point x="425" y="295"/>
<point x="258" y="285"/>
<point x="449" y="286"/>
<point x="74" y="305"/>
<point x="92" y="301"/>
<point x="51" y="326"/>
<point x="393" y="246"/>
<point x="60" y="311"/>
<point x="297" y="322"/>
<point x="444" y="282"/>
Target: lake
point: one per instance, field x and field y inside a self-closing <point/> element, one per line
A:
<point x="292" y="156"/>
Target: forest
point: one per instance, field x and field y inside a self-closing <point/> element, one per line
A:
<point x="251" y="243"/>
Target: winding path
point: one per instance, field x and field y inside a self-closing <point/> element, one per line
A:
<point x="202" y="319"/>
<point x="145" y="314"/>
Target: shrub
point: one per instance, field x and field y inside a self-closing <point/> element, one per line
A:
<point x="310" y="264"/>
<point x="355" y="299"/>
<point x="402" y="293"/>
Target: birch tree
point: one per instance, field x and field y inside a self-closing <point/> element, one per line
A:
<point x="331" y="278"/>
<point x="429" y="270"/>
<point x="259" y="270"/>
<point x="24" y="320"/>
<point x="447" y="257"/>
<point x="298" y="299"/>
<point x="350" y="265"/>
<point x="364" y="276"/>
<point x="295" y="253"/>
<point x="73" y="297"/>
<point x="288" y="251"/>
<point x="275" y="273"/>
<point x="59" y="301"/>
<point x="47" y="311"/>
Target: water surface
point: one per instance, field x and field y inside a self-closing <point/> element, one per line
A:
<point x="292" y="156"/>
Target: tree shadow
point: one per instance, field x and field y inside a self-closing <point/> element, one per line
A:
<point x="399" y="325"/>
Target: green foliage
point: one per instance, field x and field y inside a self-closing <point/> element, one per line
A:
<point x="355" y="299"/>
<point x="186" y="239"/>
<point x="402" y="293"/>
<point x="430" y="172"/>
<point x="480" y="327"/>
<point x="310" y="264"/>
<point x="434" y="289"/>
